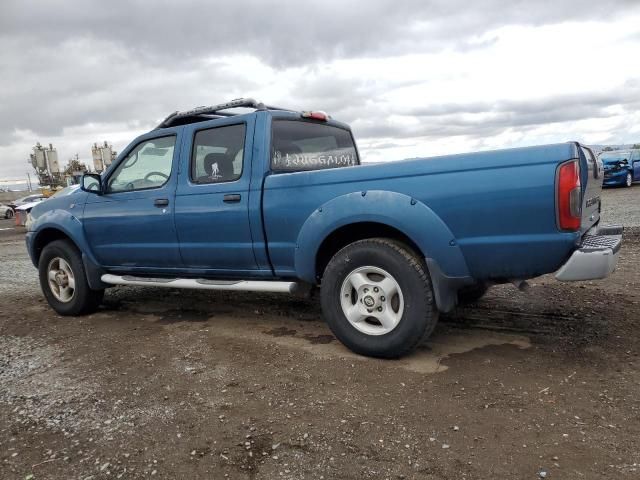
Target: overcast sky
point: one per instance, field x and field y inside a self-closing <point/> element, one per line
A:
<point x="413" y="78"/>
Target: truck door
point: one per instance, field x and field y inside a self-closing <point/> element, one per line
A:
<point x="212" y="198"/>
<point x="131" y="225"/>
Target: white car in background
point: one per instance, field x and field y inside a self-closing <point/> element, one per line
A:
<point x="6" y="211"/>
<point x="22" y="212"/>
<point x="38" y="197"/>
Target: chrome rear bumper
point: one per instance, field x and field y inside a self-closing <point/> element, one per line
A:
<point x="597" y="256"/>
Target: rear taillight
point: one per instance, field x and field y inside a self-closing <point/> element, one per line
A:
<point x="568" y="196"/>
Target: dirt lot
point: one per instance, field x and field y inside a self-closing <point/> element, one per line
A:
<point x="182" y="384"/>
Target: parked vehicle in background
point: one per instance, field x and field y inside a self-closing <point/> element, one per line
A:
<point x="6" y="211"/>
<point x="621" y="168"/>
<point x="23" y="212"/>
<point x="277" y="200"/>
<point x="28" y="199"/>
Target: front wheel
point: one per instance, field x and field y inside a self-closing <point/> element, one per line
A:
<point x="8" y="213"/>
<point x="64" y="282"/>
<point x="629" y="180"/>
<point x="377" y="299"/>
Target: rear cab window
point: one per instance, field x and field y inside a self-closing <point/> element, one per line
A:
<point x="299" y="145"/>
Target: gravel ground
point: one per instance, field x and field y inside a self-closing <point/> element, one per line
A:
<point x="622" y="205"/>
<point x="185" y="384"/>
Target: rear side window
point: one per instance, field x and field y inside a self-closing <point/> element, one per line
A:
<point x="217" y="154"/>
<point x="298" y="145"/>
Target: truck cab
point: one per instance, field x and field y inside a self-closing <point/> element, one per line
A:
<point x="188" y="198"/>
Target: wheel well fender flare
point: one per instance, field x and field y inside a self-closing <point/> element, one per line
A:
<point x="411" y="217"/>
<point x="60" y="224"/>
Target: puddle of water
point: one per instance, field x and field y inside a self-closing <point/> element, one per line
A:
<point x="317" y="340"/>
<point x="182" y="315"/>
<point x="439" y="347"/>
<point x="311" y="338"/>
<point x="281" y="332"/>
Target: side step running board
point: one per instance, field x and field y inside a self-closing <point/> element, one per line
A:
<point x="204" y="284"/>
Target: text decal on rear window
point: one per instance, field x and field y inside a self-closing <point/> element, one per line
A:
<point x="312" y="161"/>
<point x="298" y="146"/>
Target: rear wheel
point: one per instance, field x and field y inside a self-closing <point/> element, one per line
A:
<point x="64" y="282"/>
<point x="377" y="299"/>
<point x="8" y="213"/>
<point x="629" y="180"/>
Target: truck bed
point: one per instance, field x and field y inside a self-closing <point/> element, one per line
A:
<point x="499" y="206"/>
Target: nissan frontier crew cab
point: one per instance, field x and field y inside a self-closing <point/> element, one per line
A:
<point x="275" y="200"/>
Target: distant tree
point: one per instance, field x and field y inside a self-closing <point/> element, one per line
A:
<point x="637" y="145"/>
<point x="75" y="165"/>
<point x="607" y="149"/>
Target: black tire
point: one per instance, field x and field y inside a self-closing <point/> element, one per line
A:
<point x="8" y="214"/>
<point x="419" y="316"/>
<point x="472" y="294"/>
<point x="84" y="299"/>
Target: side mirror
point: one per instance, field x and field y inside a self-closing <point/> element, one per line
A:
<point x="92" y="183"/>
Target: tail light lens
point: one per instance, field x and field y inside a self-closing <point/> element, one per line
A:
<point x="568" y="196"/>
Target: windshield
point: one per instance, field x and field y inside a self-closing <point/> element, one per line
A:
<point x="615" y="157"/>
<point x="298" y="145"/>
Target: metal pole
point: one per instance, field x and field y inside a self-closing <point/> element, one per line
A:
<point x="29" y="182"/>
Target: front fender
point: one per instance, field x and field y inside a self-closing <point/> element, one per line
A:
<point x="416" y="220"/>
<point x="67" y="223"/>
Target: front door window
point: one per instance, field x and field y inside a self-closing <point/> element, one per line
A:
<point x="147" y="166"/>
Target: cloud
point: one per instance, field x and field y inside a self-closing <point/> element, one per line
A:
<point x="288" y="32"/>
<point x="408" y="75"/>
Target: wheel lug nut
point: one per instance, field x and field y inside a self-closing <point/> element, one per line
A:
<point x="382" y="299"/>
<point x="376" y="289"/>
<point x="366" y="290"/>
<point x="379" y="309"/>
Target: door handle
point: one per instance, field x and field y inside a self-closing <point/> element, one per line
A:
<point x="231" y="198"/>
<point x="161" y="202"/>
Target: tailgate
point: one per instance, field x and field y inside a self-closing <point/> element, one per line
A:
<point x="591" y="178"/>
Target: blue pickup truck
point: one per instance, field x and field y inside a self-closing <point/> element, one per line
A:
<point x="269" y="199"/>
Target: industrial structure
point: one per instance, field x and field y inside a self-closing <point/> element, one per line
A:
<point x="47" y="166"/>
<point x="103" y="155"/>
<point x="45" y="162"/>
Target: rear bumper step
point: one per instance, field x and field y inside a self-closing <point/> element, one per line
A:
<point x="597" y="256"/>
<point x="205" y="284"/>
